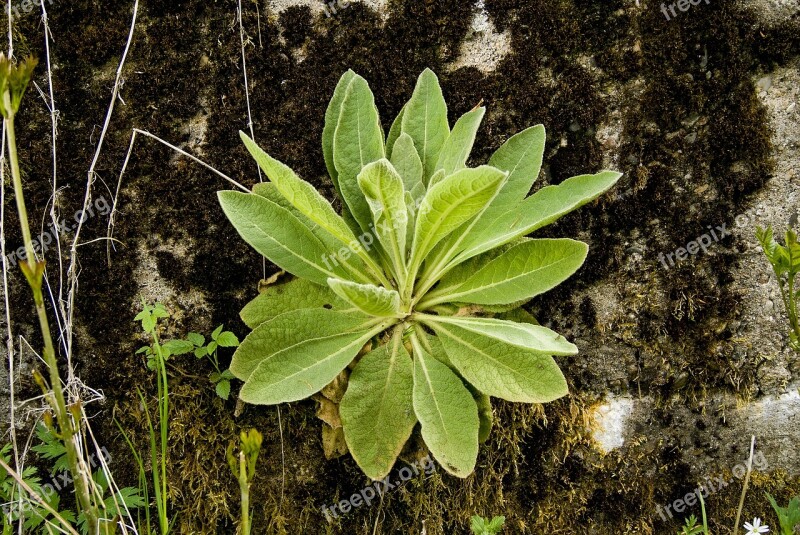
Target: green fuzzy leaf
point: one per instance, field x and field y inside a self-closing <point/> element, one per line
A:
<point x="331" y="121"/>
<point x="282" y="333"/>
<point x="450" y="203"/>
<point x="456" y="149"/>
<point x="373" y="300"/>
<point x="539" y="210"/>
<point x="302" y="195"/>
<point x="300" y="371"/>
<point x="293" y="295"/>
<point x="394" y="132"/>
<point x="447" y="414"/>
<point x="499" y="368"/>
<point x="425" y="120"/>
<point x="358" y="140"/>
<point x="278" y="235"/>
<point x="269" y="191"/>
<point x="523" y="335"/>
<point x="376" y="410"/>
<point x="436" y="178"/>
<point x="408" y="165"/>
<point x="521" y="156"/>
<point x="383" y="189"/>
<point x="523" y="271"/>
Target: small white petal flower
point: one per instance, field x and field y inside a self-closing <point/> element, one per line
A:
<point x="755" y="528"/>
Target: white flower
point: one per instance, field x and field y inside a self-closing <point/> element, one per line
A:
<point x="755" y="528"/>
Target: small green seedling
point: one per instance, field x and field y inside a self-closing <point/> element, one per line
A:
<point x="219" y="338"/>
<point x="193" y="343"/>
<point x="243" y="466"/>
<point x="789" y="516"/>
<point x="691" y="527"/>
<point x="157" y="357"/>
<point x="785" y="261"/>
<point x="484" y="526"/>
<point x="424" y="255"/>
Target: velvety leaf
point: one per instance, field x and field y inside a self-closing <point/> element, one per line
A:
<point x="408" y="165"/>
<point x="521" y="155"/>
<point x="394" y="132"/>
<point x="523" y="271"/>
<point x="456" y="149"/>
<point x="278" y="235"/>
<point x="293" y="295"/>
<point x="302" y="195"/>
<point x="269" y="191"/>
<point x="447" y="413"/>
<point x="385" y="194"/>
<point x="373" y="300"/>
<point x="540" y="209"/>
<point x="358" y="140"/>
<point x="377" y="411"/>
<point x="425" y="120"/>
<point x="436" y="178"/>
<point x="450" y="203"/>
<point x="300" y="371"/>
<point x="523" y="335"/>
<point x="501" y="369"/>
<point x="283" y="333"/>
<point x="331" y="121"/>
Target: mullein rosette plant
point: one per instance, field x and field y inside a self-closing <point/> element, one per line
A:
<point x="408" y="287"/>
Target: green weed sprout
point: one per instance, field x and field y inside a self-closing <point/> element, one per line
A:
<point x="484" y="526"/>
<point x="789" y="516"/>
<point x="691" y="527"/>
<point x="157" y="360"/>
<point x="195" y="343"/>
<point x="243" y="466"/>
<point x="785" y="261"/>
<point x="424" y="251"/>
